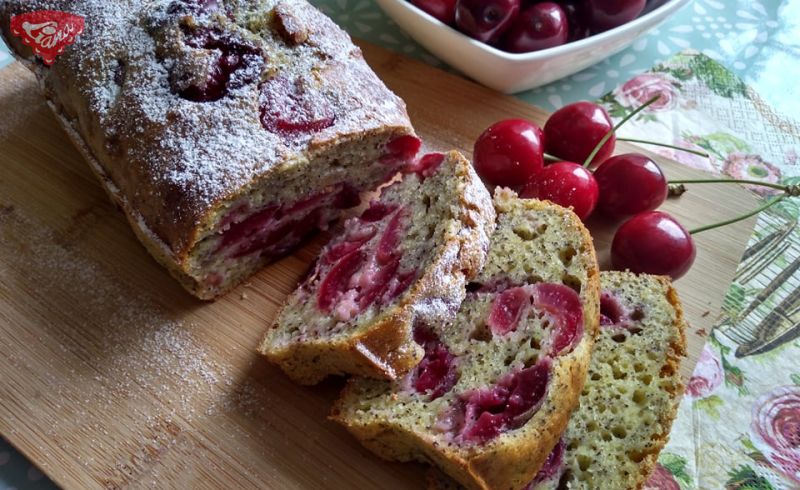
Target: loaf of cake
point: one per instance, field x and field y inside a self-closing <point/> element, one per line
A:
<point x="228" y="131"/>
<point x="406" y="258"/>
<point x="497" y="383"/>
<point x="631" y="394"/>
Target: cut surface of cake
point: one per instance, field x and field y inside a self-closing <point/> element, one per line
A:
<point x="228" y="131"/>
<point x="632" y="389"/>
<point x="497" y="382"/>
<point x="631" y="393"/>
<point x="407" y="257"/>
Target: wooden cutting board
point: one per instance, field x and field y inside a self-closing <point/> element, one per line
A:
<point x="112" y="376"/>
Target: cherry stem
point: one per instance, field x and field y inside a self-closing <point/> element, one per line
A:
<point x="665" y="145"/>
<point x="551" y="158"/>
<point x="616" y="127"/>
<point x="738" y="218"/>
<point x="790" y="190"/>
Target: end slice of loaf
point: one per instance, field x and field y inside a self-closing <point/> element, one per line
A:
<point x="631" y="394"/>
<point x="495" y="388"/>
<point x="632" y="390"/>
<point x="407" y="257"/>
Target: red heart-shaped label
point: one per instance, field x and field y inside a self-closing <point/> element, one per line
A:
<point x="47" y="32"/>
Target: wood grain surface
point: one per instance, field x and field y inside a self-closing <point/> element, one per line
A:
<point x="112" y="376"/>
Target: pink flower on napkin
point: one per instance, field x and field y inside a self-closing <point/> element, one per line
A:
<point x="642" y="88"/>
<point x="752" y="167"/>
<point x="661" y="479"/>
<point x="775" y="429"/>
<point x="707" y="375"/>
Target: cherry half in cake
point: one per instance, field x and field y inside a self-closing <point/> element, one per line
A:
<point x="407" y="256"/>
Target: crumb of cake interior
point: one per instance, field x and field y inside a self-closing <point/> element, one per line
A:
<point x="227" y="131"/>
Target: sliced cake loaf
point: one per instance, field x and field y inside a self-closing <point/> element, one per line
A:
<point x="631" y="393"/>
<point x="495" y="388"/>
<point x="227" y="131"/>
<point x="407" y="256"/>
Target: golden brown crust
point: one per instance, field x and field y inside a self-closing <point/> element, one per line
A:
<point x="386" y="348"/>
<point x="676" y="354"/>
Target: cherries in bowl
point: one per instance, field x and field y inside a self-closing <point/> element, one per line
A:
<point x="514" y="72"/>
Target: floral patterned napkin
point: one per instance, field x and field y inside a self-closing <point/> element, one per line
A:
<point x="738" y="426"/>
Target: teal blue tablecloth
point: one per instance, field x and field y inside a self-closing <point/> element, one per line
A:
<point x="757" y="40"/>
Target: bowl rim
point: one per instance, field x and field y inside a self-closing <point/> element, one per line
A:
<point x="570" y="47"/>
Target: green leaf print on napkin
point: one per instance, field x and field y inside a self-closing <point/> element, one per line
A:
<point x="795" y="378"/>
<point x="677" y="466"/>
<point x="745" y="478"/>
<point x="718" y="143"/>
<point x="710" y="405"/>
<point x="717" y="78"/>
<point x="734" y="376"/>
<point x="733" y="304"/>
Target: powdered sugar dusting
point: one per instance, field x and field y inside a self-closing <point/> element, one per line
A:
<point x="175" y="160"/>
<point x="117" y="346"/>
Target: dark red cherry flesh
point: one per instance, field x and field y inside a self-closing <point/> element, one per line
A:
<point x="566" y="184"/>
<point x="540" y="26"/>
<point x="629" y="184"/>
<point x="653" y="242"/>
<point x="442" y="10"/>
<point x="486" y="20"/>
<point x="608" y="14"/>
<point x="509" y="153"/>
<point x="436" y="374"/>
<point x="572" y="132"/>
<point x="291" y="109"/>
<point x="231" y="54"/>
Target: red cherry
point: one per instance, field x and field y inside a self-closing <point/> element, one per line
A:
<point x="540" y="26"/>
<point x="608" y="14"/>
<point x="336" y="281"/>
<point x="563" y="306"/>
<point x="485" y="20"/>
<point x="401" y="150"/>
<point x="572" y="132"/>
<point x="392" y="235"/>
<point x="487" y="412"/>
<point x="566" y="184"/>
<point x="436" y="373"/>
<point x="577" y="19"/>
<point x="443" y="10"/>
<point x="507" y="309"/>
<point x="654" y="243"/>
<point x="509" y="153"/>
<point x="290" y="107"/>
<point x="231" y="55"/>
<point x="629" y="184"/>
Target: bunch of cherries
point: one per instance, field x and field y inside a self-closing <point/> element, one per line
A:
<point x="581" y="136"/>
<point x="520" y="26"/>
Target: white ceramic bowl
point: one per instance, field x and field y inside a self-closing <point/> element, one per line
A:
<point x="509" y="72"/>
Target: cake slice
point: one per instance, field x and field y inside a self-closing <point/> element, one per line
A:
<point x="632" y="390"/>
<point x="631" y="394"/>
<point x="406" y="258"/>
<point x="494" y="390"/>
<point x="227" y="131"/>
